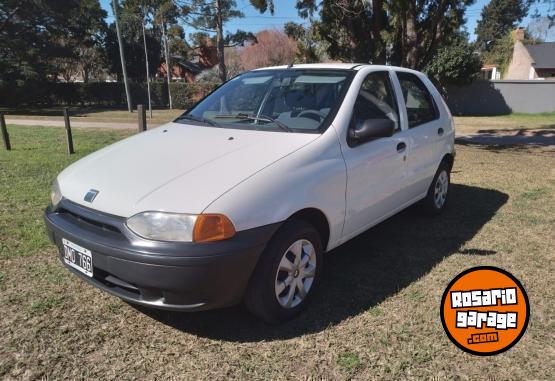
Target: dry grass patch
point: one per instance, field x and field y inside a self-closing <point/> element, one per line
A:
<point x="377" y="315"/>
<point x="506" y="123"/>
<point x="88" y="114"/>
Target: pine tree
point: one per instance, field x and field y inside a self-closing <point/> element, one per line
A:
<point x="498" y="18"/>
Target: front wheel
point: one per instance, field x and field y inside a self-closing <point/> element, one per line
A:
<point x="436" y="199"/>
<point x="287" y="273"/>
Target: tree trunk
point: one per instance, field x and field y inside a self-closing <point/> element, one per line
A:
<point x="378" y="16"/>
<point x="147" y="69"/>
<point x="168" y="63"/>
<point x="123" y="69"/>
<point x="220" y="41"/>
<point x="410" y="58"/>
<point x="434" y="35"/>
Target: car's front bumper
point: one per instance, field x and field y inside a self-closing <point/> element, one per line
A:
<point x="175" y="276"/>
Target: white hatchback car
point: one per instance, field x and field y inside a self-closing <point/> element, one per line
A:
<point x="238" y="198"/>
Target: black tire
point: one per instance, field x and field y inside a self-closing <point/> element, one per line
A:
<point x="260" y="297"/>
<point x="428" y="205"/>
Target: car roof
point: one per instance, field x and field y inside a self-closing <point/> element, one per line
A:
<point x="343" y="66"/>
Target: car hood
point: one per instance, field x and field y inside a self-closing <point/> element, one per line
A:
<point x="175" y="168"/>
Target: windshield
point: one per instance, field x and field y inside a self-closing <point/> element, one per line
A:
<point x="288" y="100"/>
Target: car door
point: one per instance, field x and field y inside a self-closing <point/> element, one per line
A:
<point x="376" y="174"/>
<point x="424" y="132"/>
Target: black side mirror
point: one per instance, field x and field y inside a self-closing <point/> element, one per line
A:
<point x="371" y="129"/>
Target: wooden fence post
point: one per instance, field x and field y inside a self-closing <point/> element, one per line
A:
<point x="5" y="135"/>
<point x="141" y="113"/>
<point x="68" y="132"/>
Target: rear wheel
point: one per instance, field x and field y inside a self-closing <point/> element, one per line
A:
<point x="287" y="273"/>
<point x="437" y="196"/>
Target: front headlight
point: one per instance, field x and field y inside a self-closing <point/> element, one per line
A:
<point x="162" y="226"/>
<point x="55" y="194"/>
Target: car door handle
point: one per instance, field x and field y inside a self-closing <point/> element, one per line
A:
<point x="440" y="131"/>
<point x="401" y="147"/>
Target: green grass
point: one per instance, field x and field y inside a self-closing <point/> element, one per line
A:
<point x="376" y="316"/>
<point x="348" y="361"/>
<point x="26" y="174"/>
<point x="43" y="305"/>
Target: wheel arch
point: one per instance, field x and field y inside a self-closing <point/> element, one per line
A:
<point x="316" y="218"/>
<point x="448" y="159"/>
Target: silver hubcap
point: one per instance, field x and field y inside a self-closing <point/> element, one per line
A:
<point x="440" y="191"/>
<point x="295" y="274"/>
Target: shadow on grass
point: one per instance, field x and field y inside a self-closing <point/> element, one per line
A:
<point x="510" y="137"/>
<point x="495" y="146"/>
<point x="361" y="273"/>
<point x="540" y="131"/>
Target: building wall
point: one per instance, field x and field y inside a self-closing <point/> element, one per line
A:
<point x="502" y="97"/>
<point x="520" y="66"/>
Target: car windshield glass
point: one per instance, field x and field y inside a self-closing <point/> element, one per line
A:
<point x="288" y="100"/>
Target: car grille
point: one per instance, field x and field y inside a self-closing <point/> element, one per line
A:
<point x="84" y="219"/>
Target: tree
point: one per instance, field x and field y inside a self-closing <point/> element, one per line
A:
<point x="133" y="46"/>
<point x="455" y="62"/>
<point x="346" y="26"/>
<point x="38" y="38"/>
<point x="115" y="7"/>
<point x="310" y="47"/>
<point x="417" y="28"/>
<point x="498" y="19"/>
<point x="86" y="54"/>
<point x="166" y="14"/>
<point x="137" y="14"/>
<point x="360" y="30"/>
<point x="273" y="48"/>
<point x="210" y="16"/>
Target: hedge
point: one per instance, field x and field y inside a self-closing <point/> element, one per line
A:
<point x="103" y="94"/>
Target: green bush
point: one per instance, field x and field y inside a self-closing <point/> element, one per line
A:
<point x="184" y="95"/>
<point x="103" y="94"/>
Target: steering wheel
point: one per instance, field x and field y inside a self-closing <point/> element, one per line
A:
<point x="310" y="115"/>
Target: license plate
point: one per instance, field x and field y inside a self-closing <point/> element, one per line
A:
<point x="78" y="257"/>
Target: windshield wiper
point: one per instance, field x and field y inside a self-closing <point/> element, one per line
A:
<point x="197" y="119"/>
<point x="261" y="118"/>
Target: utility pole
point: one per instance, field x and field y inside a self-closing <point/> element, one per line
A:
<point x="220" y="41"/>
<point x="168" y="64"/>
<point x="123" y="69"/>
<point x="147" y="71"/>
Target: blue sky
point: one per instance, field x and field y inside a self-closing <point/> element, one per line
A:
<point x="285" y="11"/>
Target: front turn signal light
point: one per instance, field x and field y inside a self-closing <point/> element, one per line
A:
<point x="212" y="227"/>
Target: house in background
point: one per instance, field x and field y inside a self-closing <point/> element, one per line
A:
<point x="490" y="71"/>
<point x="205" y="57"/>
<point x="529" y="61"/>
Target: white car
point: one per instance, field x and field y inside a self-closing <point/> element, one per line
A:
<point x="239" y="198"/>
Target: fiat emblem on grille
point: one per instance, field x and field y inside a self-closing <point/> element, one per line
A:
<point x="91" y="195"/>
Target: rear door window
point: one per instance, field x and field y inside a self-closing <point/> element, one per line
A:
<point x="420" y="104"/>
